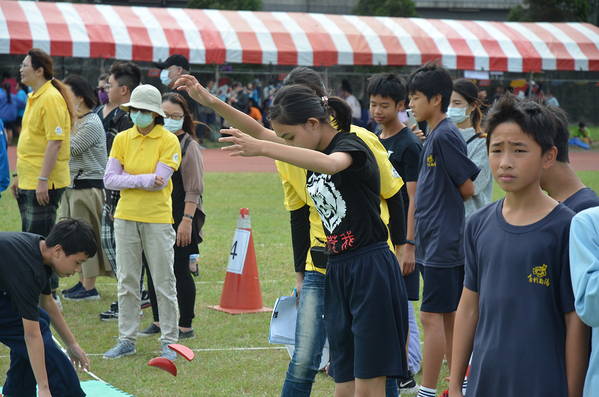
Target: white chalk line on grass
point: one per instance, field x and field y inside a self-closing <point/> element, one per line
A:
<point x="216" y="282"/>
<point x="222" y="349"/>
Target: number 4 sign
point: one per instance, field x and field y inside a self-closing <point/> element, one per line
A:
<point x="238" y="251"/>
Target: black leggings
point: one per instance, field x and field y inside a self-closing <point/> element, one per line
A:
<point x="186" y="292"/>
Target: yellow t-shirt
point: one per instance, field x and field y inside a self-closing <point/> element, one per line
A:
<point x="46" y="119"/>
<point x="297" y="196"/>
<point x="139" y="154"/>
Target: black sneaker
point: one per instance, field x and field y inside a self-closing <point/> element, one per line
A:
<point x="110" y="315"/>
<point x="186" y="334"/>
<point x="408" y="385"/>
<point x="145" y="300"/>
<point x="74" y="288"/>
<point x="150" y="330"/>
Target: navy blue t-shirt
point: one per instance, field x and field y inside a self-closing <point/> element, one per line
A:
<point x="349" y="202"/>
<point x="23" y="275"/>
<point x="403" y="150"/>
<point x="522" y="276"/>
<point x="439" y="214"/>
<point x="583" y="199"/>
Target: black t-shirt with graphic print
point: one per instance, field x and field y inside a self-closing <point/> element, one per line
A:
<point x="348" y="202"/>
<point x="23" y="275"/>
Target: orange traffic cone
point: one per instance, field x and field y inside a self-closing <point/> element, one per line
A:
<point x="241" y="292"/>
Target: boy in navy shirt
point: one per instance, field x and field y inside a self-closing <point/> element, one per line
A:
<point x="516" y="316"/>
<point x="387" y="94"/>
<point x="26" y="263"/>
<point x="560" y="181"/>
<point x="445" y="181"/>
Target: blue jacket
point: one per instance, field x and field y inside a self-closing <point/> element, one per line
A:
<point x="4" y="169"/>
<point x="8" y="111"/>
<point x="584" y="269"/>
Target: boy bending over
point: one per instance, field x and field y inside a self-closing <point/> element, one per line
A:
<point x="26" y="265"/>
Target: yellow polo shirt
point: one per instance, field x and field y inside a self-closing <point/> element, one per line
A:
<point x="46" y="119"/>
<point x="296" y="193"/>
<point x="139" y="154"/>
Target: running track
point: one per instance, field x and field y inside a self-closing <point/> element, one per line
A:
<point x="216" y="160"/>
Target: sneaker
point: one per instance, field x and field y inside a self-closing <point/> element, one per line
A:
<point x="110" y="315"/>
<point x="58" y="302"/>
<point x="74" y="288"/>
<point x="168" y="353"/>
<point x="83" y="295"/>
<point x="408" y="385"/>
<point x="150" y="330"/>
<point x="122" y="348"/>
<point x="145" y="299"/>
<point x="114" y="306"/>
<point x="186" y="334"/>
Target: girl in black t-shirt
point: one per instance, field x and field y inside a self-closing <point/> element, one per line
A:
<point x="365" y="298"/>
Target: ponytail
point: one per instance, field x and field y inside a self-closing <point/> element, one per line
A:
<point x="295" y="104"/>
<point x="39" y="59"/>
<point x="7" y="89"/>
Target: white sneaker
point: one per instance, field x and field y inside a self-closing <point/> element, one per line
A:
<point x="58" y="302"/>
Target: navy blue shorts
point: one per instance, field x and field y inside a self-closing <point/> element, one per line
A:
<point x="442" y="288"/>
<point x="366" y="314"/>
<point x="412" y="282"/>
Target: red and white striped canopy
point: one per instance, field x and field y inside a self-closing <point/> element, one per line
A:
<point x="280" y="38"/>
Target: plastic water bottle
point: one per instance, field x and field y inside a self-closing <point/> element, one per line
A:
<point x="193" y="264"/>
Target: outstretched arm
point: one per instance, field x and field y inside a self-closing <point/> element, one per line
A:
<point x="237" y="119"/>
<point x="246" y="146"/>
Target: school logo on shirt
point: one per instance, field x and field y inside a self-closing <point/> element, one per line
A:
<point x="176" y="158"/>
<point x="58" y="130"/>
<point x="539" y="276"/>
<point x="327" y="200"/>
<point x="430" y="162"/>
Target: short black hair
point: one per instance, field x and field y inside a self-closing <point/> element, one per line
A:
<point x="532" y="117"/>
<point x="432" y="79"/>
<point x="81" y="87"/>
<point x="236" y="84"/>
<point x="127" y="74"/>
<point x="74" y="235"/>
<point x="387" y="85"/>
<point x="308" y="77"/>
<point x="562" y="133"/>
<point x="346" y="86"/>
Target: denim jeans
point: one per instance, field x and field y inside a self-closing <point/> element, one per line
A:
<point x="310" y="336"/>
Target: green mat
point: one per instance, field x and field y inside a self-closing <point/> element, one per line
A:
<point x="95" y="388"/>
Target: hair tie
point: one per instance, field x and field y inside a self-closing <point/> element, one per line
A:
<point x="325" y="101"/>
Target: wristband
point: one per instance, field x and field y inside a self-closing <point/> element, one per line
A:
<point x="188" y="216"/>
<point x="14" y="175"/>
<point x="411" y="242"/>
<point x="41" y="178"/>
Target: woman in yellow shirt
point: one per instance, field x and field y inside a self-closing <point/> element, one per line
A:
<point x="43" y="151"/>
<point x="142" y="161"/>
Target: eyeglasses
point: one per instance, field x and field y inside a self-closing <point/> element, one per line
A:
<point x="109" y="86"/>
<point x="23" y="66"/>
<point x="135" y="110"/>
<point x="176" y="117"/>
<point x="101" y="89"/>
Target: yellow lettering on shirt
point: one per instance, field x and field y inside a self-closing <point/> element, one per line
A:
<point x="539" y="276"/>
<point x="430" y="162"/>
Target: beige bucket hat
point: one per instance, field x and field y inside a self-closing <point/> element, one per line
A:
<point x="145" y="97"/>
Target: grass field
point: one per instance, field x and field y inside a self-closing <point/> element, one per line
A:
<point x="233" y="357"/>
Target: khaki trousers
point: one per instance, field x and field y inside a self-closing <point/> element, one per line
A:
<point x="156" y="240"/>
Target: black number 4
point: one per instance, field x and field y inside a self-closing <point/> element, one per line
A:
<point x="234" y="249"/>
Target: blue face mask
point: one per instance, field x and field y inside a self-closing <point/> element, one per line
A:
<point x="173" y="125"/>
<point x="164" y="77"/>
<point x="142" y="120"/>
<point x="457" y="115"/>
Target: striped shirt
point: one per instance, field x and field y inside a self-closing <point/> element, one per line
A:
<point x="88" y="149"/>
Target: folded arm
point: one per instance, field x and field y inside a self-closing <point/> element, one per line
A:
<point x="115" y="177"/>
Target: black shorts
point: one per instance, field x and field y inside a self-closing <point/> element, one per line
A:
<point x="19" y="121"/>
<point x="366" y="314"/>
<point x="442" y="288"/>
<point x="9" y="125"/>
<point x="412" y="282"/>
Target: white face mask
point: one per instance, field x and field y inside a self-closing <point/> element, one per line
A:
<point x="457" y="115"/>
<point x="173" y="125"/>
<point x="164" y="77"/>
